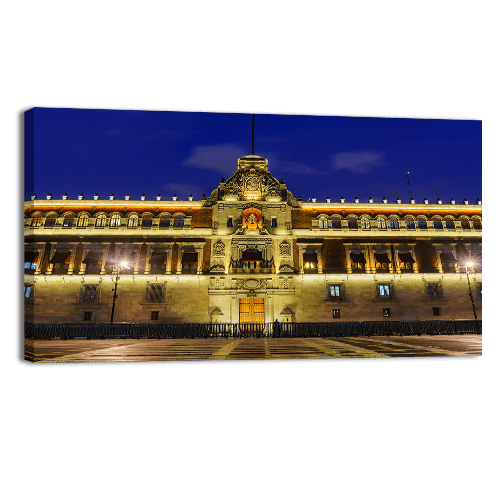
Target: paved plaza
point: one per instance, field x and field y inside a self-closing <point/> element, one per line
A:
<point x="81" y="350"/>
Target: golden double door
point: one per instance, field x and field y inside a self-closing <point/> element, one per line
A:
<point x="251" y="310"/>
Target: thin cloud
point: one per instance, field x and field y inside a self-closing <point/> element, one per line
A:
<point x="221" y="158"/>
<point x="182" y="191"/>
<point x="358" y="162"/>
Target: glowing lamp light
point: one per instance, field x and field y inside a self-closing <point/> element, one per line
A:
<point x="124" y="264"/>
<point x="469" y="264"/>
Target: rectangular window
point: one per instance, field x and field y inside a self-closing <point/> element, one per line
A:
<point x="336" y="313"/>
<point x="336" y="291"/>
<point x="28" y="291"/>
<point x="386" y="313"/>
<point x="154" y="315"/>
<point x="87" y="315"/>
<point x="433" y="291"/>
<point x="229" y="222"/>
<point x="384" y="290"/>
<point x="436" y="311"/>
<point x="273" y="222"/>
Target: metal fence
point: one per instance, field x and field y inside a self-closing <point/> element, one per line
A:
<point x="244" y="330"/>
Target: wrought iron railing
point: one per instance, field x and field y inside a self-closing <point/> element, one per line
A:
<point x="244" y="330"/>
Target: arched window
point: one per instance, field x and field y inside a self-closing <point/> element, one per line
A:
<point x="449" y="224"/>
<point x="147" y="221"/>
<point x="36" y="221"/>
<point x="381" y="224"/>
<point x="422" y="223"/>
<point x="165" y="221"/>
<point x="100" y="220"/>
<point x="336" y="224"/>
<point x="394" y="223"/>
<point x="465" y="223"/>
<point x="438" y="223"/>
<point x="410" y="223"/>
<point x="322" y="222"/>
<point x="69" y="220"/>
<point x="365" y="223"/>
<point x="115" y="220"/>
<point x="50" y="221"/>
<point x="352" y="223"/>
<point x="133" y="220"/>
<point x="179" y="221"/>
<point x="82" y="221"/>
<point x="476" y="224"/>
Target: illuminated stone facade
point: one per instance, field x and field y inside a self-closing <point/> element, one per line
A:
<point x="249" y="252"/>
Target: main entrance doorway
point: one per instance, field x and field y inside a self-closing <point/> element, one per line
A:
<point x="252" y="314"/>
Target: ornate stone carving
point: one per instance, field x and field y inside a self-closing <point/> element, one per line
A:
<point x="285" y="249"/>
<point x="219" y="249"/>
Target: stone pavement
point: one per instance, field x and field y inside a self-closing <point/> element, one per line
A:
<point x="82" y="350"/>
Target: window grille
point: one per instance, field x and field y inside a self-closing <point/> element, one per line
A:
<point x="336" y="223"/>
<point x="147" y="221"/>
<point x="449" y="224"/>
<point x="50" y="221"/>
<point x="155" y="292"/>
<point x="433" y="291"/>
<point x="69" y="221"/>
<point x="36" y="221"/>
<point x="381" y="224"/>
<point x="465" y="223"/>
<point x="422" y="223"/>
<point x="165" y="221"/>
<point x="337" y="291"/>
<point x="476" y="224"/>
<point x="438" y="223"/>
<point x="394" y="223"/>
<point x="352" y="223"/>
<point x="410" y="223"/>
<point x="385" y="291"/>
<point x="90" y="294"/>
<point x="179" y="221"/>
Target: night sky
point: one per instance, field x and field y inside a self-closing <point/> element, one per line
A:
<point x="160" y="152"/>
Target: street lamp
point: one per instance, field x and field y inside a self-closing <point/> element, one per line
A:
<point x="123" y="264"/>
<point x="467" y="266"/>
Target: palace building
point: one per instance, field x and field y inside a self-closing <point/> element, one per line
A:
<point x="249" y="252"/>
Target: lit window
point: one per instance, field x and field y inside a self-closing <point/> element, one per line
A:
<point x="115" y="221"/>
<point x="82" y="221"/>
<point x="476" y="224"/>
<point x="133" y="221"/>
<point x="337" y="291"/>
<point x="352" y="223"/>
<point x="449" y="224"/>
<point x="179" y="221"/>
<point x="28" y="291"/>
<point x="323" y="223"/>
<point x="100" y="221"/>
<point x="465" y="223"/>
<point x="384" y="290"/>
<point x="36" y="221"/>
<point x="336" y="223"/>
<point x="381" y="224"/>
<point x="336" y="313"/>
<point x="365" y="223"/>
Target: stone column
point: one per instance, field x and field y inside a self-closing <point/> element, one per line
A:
<point x="105" y="256"/>
<point x="199" y="266"/>
<point x="50" y="266"/>
<point x="147" y="265"/>
<point x="415" y="266"/>
<point x="439" y="261"/>
<point x="180" y="253"/>
<point x="369" y="268"/>
<point x="71" y="266"/>
<point x="320" y="262"/>
<point x="137" y="258"/>
<point x="168" y="266"/>
<point x="348" y="259"/>
<point x="396" y="261"/>
<point x="41" y="254"/>
<point x="301" y="259"/>
<point x="85" y="252"/>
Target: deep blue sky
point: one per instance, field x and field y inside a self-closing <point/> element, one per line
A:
<point x="160" y="152"/>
